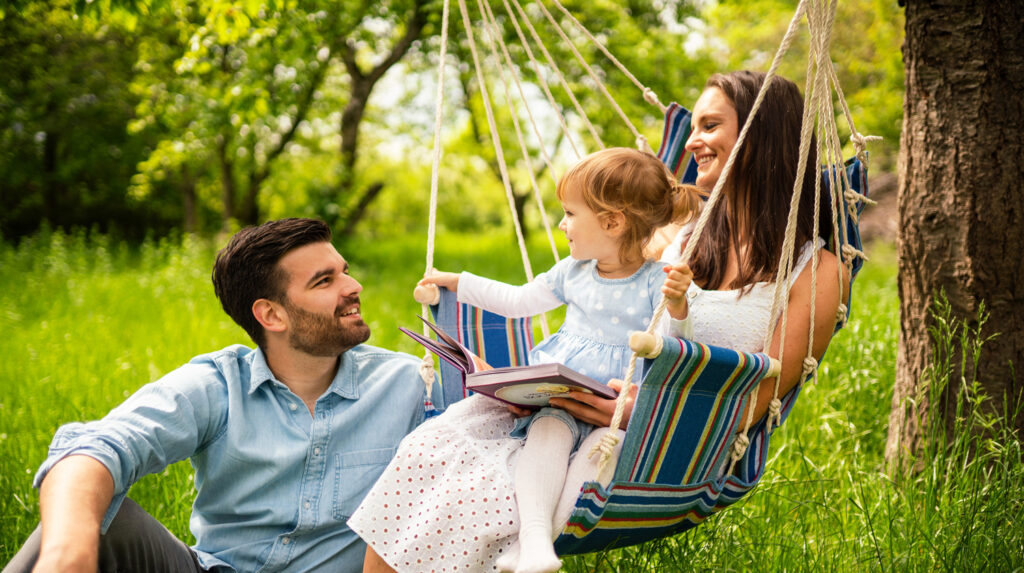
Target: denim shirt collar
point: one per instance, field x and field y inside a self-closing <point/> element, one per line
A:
<point x="344" y="383"/>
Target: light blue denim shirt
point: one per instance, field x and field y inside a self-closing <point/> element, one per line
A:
<point x="275" y="485"/>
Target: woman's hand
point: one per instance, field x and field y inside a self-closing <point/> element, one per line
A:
<point x="449" y="281"/>
<point x="677" y="281"/>
<point x="517" y="411"/>
<point x="595" y="410"/>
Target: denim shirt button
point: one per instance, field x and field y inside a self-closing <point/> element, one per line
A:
<point x="293" y="406"/>
<point x="285" y="540"/>
<point x="316" y="451"/>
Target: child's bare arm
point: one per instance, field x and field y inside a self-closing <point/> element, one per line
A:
<point x="677" y="282"/>
<point x="449" y="281"/>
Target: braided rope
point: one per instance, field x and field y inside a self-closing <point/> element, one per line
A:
<point x="590" y="72"/>
<point x="558" y="73"/>
<point x="649" y="95"/>
<point x="780" y="303"/>
<point x="497" y="36"/>
<point x="543" y="84"/>
<point x="859" y="140"/>
<point x="496" y="140"/>
<point x="494" y="38"/>
<point x="427" y="363"/>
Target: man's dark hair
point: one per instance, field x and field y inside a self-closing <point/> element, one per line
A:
<point x="247" y="269"/>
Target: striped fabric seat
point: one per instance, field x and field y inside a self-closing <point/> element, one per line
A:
<point x="498" y="340"/>
<point x="674" y="469"/>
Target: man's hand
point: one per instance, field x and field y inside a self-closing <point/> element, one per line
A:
<point x="677" y="281"/>
<point x="449" y="281"/>
<point x="595" y="410"/>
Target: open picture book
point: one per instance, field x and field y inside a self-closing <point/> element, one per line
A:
<point x="524" y="386"/>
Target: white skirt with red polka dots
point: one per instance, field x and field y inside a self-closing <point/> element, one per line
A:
<point x="446" y="502"/>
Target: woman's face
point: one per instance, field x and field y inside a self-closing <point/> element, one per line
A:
<point x="715" y="128"/>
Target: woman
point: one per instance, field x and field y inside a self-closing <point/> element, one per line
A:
<point x="456" y="512"/>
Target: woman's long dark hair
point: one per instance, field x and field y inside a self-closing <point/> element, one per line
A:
<point x="755" y="204"/>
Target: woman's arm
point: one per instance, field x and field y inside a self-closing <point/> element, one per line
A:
<point x="826" y="303"/>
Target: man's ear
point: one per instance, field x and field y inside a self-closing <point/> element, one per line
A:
<point x="270" y="314"/>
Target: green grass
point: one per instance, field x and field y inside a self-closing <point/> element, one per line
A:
<point x="86" y="322"/>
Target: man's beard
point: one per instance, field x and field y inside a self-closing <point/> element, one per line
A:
<point x="320" y="335"/>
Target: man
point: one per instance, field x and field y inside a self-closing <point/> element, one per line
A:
<point x="285" y="439"/>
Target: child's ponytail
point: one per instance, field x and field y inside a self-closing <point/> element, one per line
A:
<point x="687" y="201"/>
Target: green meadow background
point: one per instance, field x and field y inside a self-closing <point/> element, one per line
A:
<point x="87" y="320"/>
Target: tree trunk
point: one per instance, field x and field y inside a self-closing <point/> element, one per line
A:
<point x="357" y="213"/>
<point x="961" y="201"/>
<point x="53" y="186"/>
<point x="188" y="192"/>
<point x="361" y="86"/>
<point x="227" y="181"/>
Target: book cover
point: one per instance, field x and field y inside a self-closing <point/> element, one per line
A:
<point x="524" y="386"/>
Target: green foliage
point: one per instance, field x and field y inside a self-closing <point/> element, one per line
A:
<point x="65" y="155"/>
<point x="146" y="116"/>
<point x="88" y="319"/>
<point x="865" y="45"/>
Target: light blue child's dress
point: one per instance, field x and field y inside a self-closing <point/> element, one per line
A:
<point x="600" y="314"/>
<point x="594" y="338"/>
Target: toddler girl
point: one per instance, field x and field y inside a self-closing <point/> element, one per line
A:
<point x="613" y="200"/>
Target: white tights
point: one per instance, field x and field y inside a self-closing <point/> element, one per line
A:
<point x="546" y="487"/>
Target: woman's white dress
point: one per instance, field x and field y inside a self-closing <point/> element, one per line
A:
<point x="446" y="502"/>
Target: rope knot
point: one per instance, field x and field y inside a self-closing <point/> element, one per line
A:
<point x="810" y="366"/>
<point x="854" y="197"/>
<point x="642" y="145"/>
<point x="652" y="98"/>
<point x="606" y="446"/>
<point x="739" y="446"/>
<point x="427" y="371"/>
<point x="775" y="411"/>
<point x="850" y="252"/>
<point x="860" y="144"/>
<point x="841" y="313"/>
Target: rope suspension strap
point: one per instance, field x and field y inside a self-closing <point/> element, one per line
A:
<point x="817" y="91"/>
<point x="496" y="141"/>
<point x="558" y="73"/>
<point x="543" y="84"/>
<point x="427" y="364"/>
<point x="641" y="141"/>
<point x="496" y="38"/>
<point x="649" y="95"/>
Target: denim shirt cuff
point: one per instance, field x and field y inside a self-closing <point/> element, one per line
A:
<point x="74" y="439"/>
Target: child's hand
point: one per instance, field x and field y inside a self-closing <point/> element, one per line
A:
<point x="677" y="282"/>
<point x="449" y="281"/>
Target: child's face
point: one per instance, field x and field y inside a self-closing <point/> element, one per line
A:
<point x="589" y="235"/>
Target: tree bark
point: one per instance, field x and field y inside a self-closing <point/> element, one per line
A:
<point x="188" y="192"/>
<point x="227" y="180"/>
<point x="361" y="86"/>
<point x="961" y="200"/>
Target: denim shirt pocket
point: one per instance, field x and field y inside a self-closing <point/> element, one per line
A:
<point x="354" y="475"/>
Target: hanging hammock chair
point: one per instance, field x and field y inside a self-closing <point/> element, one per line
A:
<point x="689" y="451"/>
